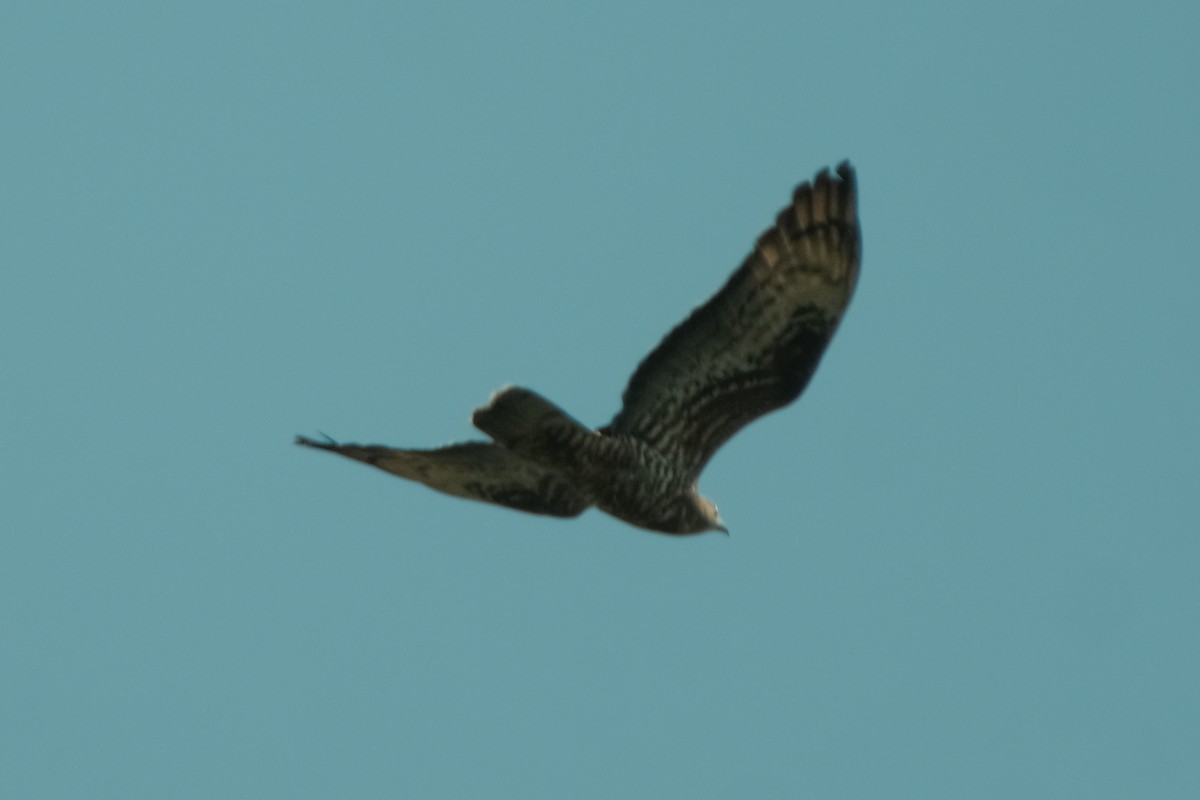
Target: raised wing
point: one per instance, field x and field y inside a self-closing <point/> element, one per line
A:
<point x="752" y="348"/>
<point x="474" y="470"/>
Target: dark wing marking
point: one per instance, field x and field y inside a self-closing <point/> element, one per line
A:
<point x="752" y="348"/>
<point x="474" y="470"/>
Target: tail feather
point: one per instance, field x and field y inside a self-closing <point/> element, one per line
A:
<point x="527" y="423"/>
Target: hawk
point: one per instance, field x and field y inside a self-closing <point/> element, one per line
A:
<point x="751" y="349"/>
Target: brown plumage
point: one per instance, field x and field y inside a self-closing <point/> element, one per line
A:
<point x="751" y="349"/>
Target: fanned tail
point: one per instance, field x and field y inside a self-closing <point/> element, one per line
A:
<point x="529" y="424"/>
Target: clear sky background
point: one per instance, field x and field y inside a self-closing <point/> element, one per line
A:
<point x="964" y="565"/>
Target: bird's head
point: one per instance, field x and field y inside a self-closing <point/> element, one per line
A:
<point x="707" y="517"/>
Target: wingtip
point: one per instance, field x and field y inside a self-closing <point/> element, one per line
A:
<point x="846" y="172"/>
<point x="328" y="444"/>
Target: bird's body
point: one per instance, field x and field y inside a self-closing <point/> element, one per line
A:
<point x="749" y="350"/>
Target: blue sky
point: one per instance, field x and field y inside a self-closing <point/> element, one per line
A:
<point x="963" y="565"/>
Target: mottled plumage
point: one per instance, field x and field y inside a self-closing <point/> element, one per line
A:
<point x="749" y="350"/>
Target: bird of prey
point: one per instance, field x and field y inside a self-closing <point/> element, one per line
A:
<point x="749" y="350"/>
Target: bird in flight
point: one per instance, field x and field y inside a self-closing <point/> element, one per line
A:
<point x="751" y="349"/>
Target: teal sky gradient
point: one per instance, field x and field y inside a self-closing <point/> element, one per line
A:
<point x="966" y="564"/>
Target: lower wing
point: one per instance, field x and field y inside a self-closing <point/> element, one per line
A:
<point x="474" y="470"/>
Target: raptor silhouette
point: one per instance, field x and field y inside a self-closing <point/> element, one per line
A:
<point x="751" y="349"/>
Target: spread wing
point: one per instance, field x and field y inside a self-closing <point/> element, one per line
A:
<point x="474" y="470"/>
<point x="752" y="348"/>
